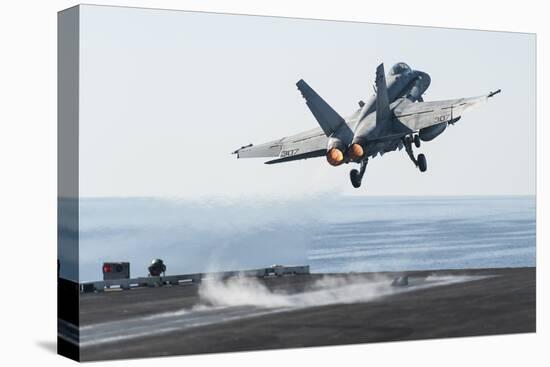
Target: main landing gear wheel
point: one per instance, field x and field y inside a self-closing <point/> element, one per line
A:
<point x="356" y="176"/>
<point x="417" y="141"/>
<point x="419" y="162"/>
<point x="422" y="164"/>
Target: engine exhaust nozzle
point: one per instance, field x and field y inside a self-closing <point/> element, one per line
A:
<point x="355" y="152"/>
<point x="335" y="157"/>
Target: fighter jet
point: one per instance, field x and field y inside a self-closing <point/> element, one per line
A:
<point x="395" y="117"/>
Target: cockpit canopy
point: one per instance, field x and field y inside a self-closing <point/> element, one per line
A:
<point x="400" y="68"/>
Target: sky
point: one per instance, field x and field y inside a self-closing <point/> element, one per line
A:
<point x="165" y="96"/>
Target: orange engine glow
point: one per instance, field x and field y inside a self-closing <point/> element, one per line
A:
<point x="355" y="152"/>
<point x="335" y="157"/>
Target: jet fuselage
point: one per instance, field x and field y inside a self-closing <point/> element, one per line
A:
<point x="404" y="86"/>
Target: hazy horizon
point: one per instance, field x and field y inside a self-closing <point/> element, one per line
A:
<point x="330" y="234"/>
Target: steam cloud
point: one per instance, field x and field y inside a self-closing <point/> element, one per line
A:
<point x="325" y="291"/>
<point x="328" y="290"/>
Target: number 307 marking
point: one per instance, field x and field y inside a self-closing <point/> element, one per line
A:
<point x="289" y="153"/>
<point x="442" y="118"/>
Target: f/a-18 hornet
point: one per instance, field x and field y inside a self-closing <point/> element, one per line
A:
<point x="395" y="117"/>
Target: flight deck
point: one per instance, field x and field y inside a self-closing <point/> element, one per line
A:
<point x="305" y="310"/>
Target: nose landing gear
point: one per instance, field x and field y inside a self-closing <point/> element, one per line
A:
<point x="419" y="162"/>
<point x="356" y="176"/>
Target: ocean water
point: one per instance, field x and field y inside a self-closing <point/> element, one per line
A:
<point x="331" y="234"/>
<point x="427" y="233"/>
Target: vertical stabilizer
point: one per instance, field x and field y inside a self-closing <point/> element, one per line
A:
<point x="382" y="100"/>
<point x="329" y="120"/>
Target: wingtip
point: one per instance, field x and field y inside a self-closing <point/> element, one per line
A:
<point x="491" y="94"/>
<point x="241" y="148"/>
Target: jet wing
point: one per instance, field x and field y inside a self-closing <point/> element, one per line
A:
<point x="309" y="144"/>
<point x="424" y="114"/>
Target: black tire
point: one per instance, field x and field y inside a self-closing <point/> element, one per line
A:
<point x="355" y="179"/>
<point x="422" y="164"/>
<point x="417" y="141"/>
